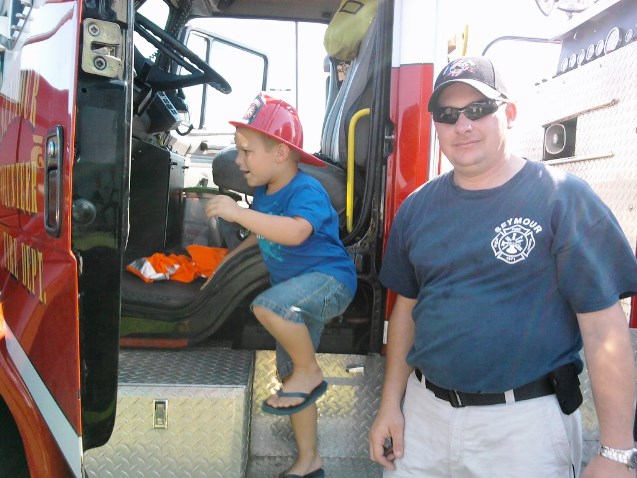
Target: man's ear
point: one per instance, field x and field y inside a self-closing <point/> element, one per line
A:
<point x="511" y="112"/>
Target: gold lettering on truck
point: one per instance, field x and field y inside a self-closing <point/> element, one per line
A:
<point x="10" y="259"/>
<point x="18" y="181"/>
<point x="32" y="265"/>
<point x="29" y="270"/>
<point x="18" y="186"/>
<point x="26" y="106"/>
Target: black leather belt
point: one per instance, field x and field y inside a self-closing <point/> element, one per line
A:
<point x="538" y="388"/>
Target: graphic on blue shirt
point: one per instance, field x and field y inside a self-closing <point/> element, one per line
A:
<point x="269" y="249"/>
<point x="322" y="251"/>
<point x="514" y="240"/>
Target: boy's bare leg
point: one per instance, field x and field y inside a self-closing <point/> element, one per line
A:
<point x="296" y="341"/>
<point x="304" y="426"/>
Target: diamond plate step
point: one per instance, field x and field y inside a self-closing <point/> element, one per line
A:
<point x="208" y="393"/>
<point x="346" y="410"/>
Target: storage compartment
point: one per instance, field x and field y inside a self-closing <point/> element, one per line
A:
<point x="179" y="413"/>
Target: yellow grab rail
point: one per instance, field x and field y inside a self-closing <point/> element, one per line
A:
<point x="351" y="143"/>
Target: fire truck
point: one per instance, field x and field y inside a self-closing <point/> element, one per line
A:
<point x="114" y="131"/>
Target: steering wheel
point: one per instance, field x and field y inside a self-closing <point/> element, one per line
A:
<point x="160" y="80"/>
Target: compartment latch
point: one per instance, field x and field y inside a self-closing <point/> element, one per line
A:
<point x="160" y="413"/>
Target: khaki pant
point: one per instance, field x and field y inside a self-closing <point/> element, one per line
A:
<point x="527" y="439"/>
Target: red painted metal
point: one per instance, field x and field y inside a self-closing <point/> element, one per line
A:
<point x="44" y="458"/>
<point x="40" y="295"/>
<point x="408" y="165"/>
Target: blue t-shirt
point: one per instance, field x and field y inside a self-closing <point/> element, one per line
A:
<point x="323" y="251"/>
<point x="499" y="275"/>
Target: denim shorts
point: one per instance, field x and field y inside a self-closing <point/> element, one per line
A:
<point x="311" y="299"/>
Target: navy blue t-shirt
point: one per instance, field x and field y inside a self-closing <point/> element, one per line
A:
<point x="499" y="275"/>
<point x="323" y="251"/>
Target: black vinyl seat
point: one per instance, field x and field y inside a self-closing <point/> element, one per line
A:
<point x="354" y="94"/>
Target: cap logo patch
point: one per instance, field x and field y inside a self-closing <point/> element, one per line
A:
<point x="459" y="67"/>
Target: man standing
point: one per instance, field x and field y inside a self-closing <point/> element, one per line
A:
<point x="503" y="269"/>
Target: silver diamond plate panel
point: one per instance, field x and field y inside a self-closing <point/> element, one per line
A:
<point x="218" y="367"/>
<point x="346" y="410"/>
<point x="208" y="393"/>
<point x="603" y="96"/>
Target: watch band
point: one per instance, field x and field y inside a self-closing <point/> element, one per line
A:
<point x="627" y="457"/>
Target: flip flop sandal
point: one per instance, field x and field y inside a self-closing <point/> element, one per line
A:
<point x="308" y="399"/>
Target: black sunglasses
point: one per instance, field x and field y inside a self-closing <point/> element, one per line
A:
<point x="473" y="111"/>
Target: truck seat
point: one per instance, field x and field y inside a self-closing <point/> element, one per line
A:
<point x="355" y="93"/>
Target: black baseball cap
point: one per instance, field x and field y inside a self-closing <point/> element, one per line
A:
<point x="476" y="71"/>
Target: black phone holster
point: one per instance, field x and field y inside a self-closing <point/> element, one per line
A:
<point x="565" y="382"/>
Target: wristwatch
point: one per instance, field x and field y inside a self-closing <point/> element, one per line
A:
<point x="627" y="457"/>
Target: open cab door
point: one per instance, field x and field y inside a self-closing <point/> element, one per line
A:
<point x="65" y="103"/>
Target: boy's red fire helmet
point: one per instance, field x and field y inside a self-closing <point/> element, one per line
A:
<point x="278" y="120"/>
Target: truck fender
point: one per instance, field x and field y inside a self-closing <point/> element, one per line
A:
<point x="43" y="456"/>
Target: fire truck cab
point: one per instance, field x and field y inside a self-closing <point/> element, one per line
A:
<point x="114" y="131"/>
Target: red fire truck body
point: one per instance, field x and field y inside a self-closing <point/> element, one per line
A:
<point x="107" y="149"/>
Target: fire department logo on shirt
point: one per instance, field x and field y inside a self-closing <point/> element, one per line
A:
<point x="514" y="240"/>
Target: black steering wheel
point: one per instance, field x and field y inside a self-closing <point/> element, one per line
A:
<point x="161" y="80"/>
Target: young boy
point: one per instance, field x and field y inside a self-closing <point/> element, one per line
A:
<point x="313" y="278"/>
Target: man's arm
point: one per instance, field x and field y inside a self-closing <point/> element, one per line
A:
<point x="389" y="423"/>
<point x="611" y="369"/>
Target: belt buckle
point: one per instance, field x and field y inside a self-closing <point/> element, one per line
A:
<point x="454" y="399"/>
